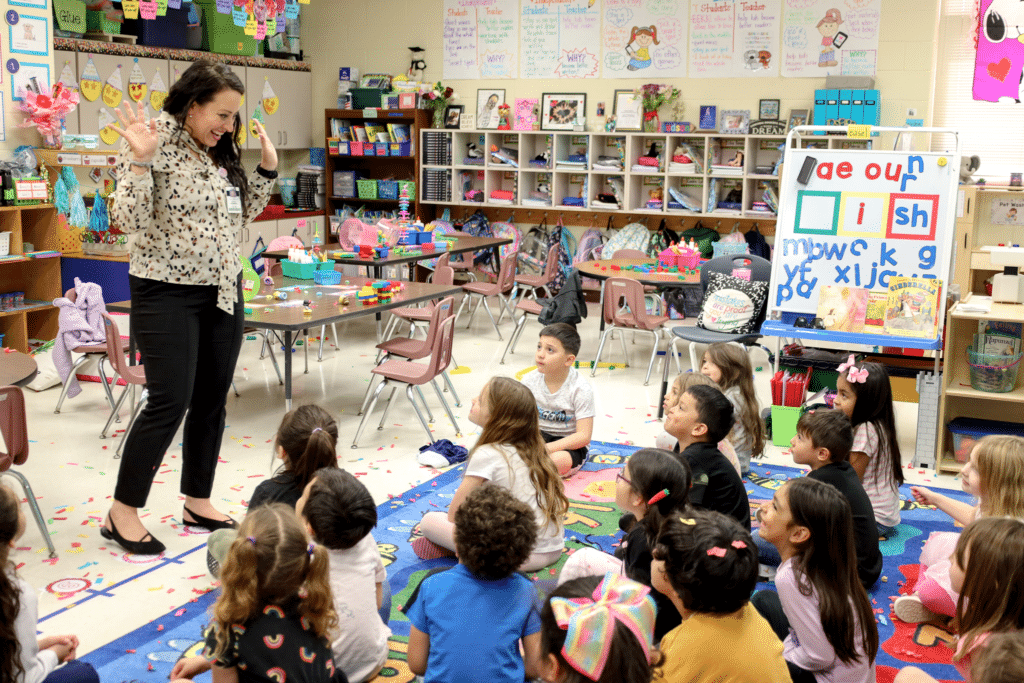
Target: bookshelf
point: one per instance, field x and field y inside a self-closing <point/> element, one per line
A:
<point x="374" y="167"/>
<point x="38" y="278"/>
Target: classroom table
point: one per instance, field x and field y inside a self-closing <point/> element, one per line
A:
<point x="602" y="270"/>
<point x="463" y="243"/>
<point x="16" y="368"/>
<point x="288" y="316"/>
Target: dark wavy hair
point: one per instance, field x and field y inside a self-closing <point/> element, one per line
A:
<point x="826" y="564"/>
<point x="494" y="532"/>
<point x="708" y="583"/>
<point x="200" y="83"/>
<point x="340" y="510"/>
<point x="11" y="668"/>
<point x="652" y="470"/>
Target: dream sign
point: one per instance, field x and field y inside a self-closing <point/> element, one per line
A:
<point x="859" y="217"/>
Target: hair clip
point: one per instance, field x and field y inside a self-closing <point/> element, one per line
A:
<point x="251" y="540"/>
<point x="686" y="520"/>
<point x="856" y="376"/>
<point x="851" y="362"/>
<point x="315" y="430"/>
<point x="738" y="545"/>
<point x="658" y="496"/>
<point x="310" y="548"/>
<point x="717" y="551"/>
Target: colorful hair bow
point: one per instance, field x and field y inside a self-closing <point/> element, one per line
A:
<point x="717" y="551"/>
<point x="590" y="622"/>
<point x="856" y="376"/>
<point x="851" y="362"/>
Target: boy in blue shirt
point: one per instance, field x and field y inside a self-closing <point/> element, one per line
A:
<point x="467" y="622"/>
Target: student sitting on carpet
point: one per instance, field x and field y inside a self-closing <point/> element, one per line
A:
<point x="707" y="564"/>
<point x="822" y="442"/>
<point x="274" y="615"/>
<point x="564" y="398"/>
<point x="598" y="629"/>
<point x="702" y="418"/>
<point x="652" y="485"/>
<point x="728" y="364"/>
<point x="468" y="621"/>
<point x="683" y="382"/>
<point x="821" y="610"/>
<point x="995" y="476"/>
<point x="1002" y="661"/>
<point x="339" y="514"/>
<point x="511" y="454"/>
<point x="305" y="442"/>
<point x="23" y="657"/>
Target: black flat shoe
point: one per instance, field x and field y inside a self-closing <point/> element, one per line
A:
<point x="207" y="523"/>
<point x="143" y="547"/>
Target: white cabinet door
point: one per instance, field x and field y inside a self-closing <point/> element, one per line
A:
<point x="114" y="71"/>
<point x="269" y="82"/>
<point x="298" y="125"/>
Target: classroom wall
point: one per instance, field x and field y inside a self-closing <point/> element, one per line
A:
<point x="343" y="33"/>
<point x="15" y="137"/>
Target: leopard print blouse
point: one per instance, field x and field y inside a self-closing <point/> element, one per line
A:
<point x="178" y="213"/>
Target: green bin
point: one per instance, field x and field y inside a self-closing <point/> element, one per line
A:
<point x="220" y="34"/>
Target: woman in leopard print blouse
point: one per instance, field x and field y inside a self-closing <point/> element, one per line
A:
<point x="182" y="191"/>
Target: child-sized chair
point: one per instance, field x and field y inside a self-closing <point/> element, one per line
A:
<point x="414" y="374"/>
<point x="133" y="375"/>
<point x="529" y="284"/>
<point x="14" y="429"/>
<point x="499" y="289"/>
<point x="88" y="351"/>
<point x="528" y="308"/>
<point x="632" y="315"/>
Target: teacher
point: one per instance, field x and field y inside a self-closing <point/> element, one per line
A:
<point x="182" y="191"/>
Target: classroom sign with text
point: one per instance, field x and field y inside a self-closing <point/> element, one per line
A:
<point x="858" y="218"/>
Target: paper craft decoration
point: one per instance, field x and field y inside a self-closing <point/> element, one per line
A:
<point x="113" y="91"/>
<point x="67" y="76"/>
<point x="270" y="100"/>
<point x="842" y="308"/>
<point x="130" y="8"/>
<point x="256" y="116"/>
<point x="90" y="83"/>
<point x="147" y="9"/>
<point x="104" y="120"/>
<point x="525" y="113"/>
<point x="158" y="92"/>
<point x="731" y="304"/>
<point x="136" y="82"/>
<point x="911" y="310"/>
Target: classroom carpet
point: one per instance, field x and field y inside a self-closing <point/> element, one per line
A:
<point x="148" y="653"/>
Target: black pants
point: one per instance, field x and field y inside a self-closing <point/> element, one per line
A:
<point x="189" y="349"/>
<point x="768" y="606"/>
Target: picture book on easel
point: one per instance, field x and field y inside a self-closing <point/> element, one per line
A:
<point x="912" y="307"/>
<point x="843" y="309"/>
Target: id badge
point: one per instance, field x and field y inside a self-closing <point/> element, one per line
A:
<point x="234" y="199"/>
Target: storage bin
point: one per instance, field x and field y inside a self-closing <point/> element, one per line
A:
<point x="288" y="188"/>
<point x="367" y="188"/>
<point x="967" y="430"/>
<point x="993" y="372"/>
<point x="387" y="189"/>
<point x="70" y="19"/>
<point x="400" y="149"/>
<point x="222" y="36"/>
<point x="784" y="419"/>
<point x="303" y="271"/>
<point x="166" y="31"/>
<point x="194" y="27"/>
<point x="380" y="149"/>
<point x="104" y="21"/>
<point x="356" y="148"/>
<point x="410" y="188"/>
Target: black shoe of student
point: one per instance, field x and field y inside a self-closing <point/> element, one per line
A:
<point x="142" y="547"/>
<point x="207" y="523"/>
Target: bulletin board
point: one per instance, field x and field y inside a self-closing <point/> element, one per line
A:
<point x="857" y="218"/>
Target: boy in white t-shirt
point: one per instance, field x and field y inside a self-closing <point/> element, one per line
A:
<point x="339" y="514"/>
<point x="565" y="400"/>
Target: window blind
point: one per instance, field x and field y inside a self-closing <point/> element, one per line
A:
<point x="991" y="130"/>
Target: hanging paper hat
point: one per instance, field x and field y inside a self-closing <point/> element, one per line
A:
<point x="136" y="82"/>
<point x="104" y="120"/>
<point x="270" y="101"/>
<point x="67" y="77"/>
<point x="158" y="92"/>
<point x="114" y="89"/>
<point x="90" y="83"/>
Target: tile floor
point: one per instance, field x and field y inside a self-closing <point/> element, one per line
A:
<point x="99" y="593"/>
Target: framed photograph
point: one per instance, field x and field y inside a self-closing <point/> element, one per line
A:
<point x="708" y="117"/>
<point x="628" y="110"/>
<point x="487" y="103"/>
<point x="768" y="110"/>
<point x="797" y="117"/>
<point x="734" y="121"/>
<point x="562" y="111"/>
<point x="453" y="115"/>
<point x="29" y="35"/>
<point x="35" y="76"/>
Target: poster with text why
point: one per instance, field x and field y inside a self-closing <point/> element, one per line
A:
<point x="827" y="37"/>
<point x="734" y="38"/>
<point x="560" y="39"/>
<point x="644" y="39"/>
<point x="480" y="39"/>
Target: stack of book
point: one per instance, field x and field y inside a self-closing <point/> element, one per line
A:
<point x="437" y="148"/>
<point x="437" y="185"/>
<point x="724" y="170"/>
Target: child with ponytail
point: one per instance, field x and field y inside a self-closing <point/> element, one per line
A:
<point x="275" y="614"/>
<point x="651" y="485"/>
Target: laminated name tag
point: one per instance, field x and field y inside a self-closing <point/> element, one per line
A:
<point x="234" y="199"/>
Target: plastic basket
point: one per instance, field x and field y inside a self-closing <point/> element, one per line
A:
<point x="327" y="277"/>
<point x="367" y="188"/>
<point x="410" y="188"/>
<point x="387" y="189"/>
<point x="991" y="372"/>
<point x="304" y="271"/>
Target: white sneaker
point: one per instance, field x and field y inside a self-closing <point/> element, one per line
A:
<point x="910" y="610"/>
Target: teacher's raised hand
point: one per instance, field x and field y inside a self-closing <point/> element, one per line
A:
<point x="140" y="133"/>
<point x="268" y="160"/>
